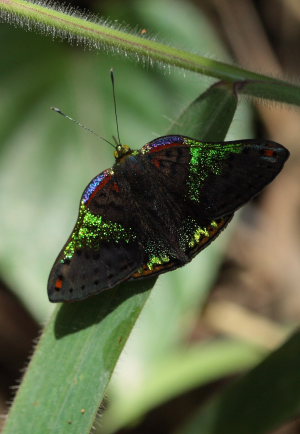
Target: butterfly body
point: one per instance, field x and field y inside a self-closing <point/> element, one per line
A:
<point x="156" y="208"/>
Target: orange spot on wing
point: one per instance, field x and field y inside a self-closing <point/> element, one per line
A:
<point x="269" y="153"/>
<point x="59" y="283"/>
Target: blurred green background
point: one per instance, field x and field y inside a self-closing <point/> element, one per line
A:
<point x="247" y="280"/>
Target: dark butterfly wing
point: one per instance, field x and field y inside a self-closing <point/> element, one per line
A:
<point x="194" y="239"/>
<point x="207" y="183"/>
<point x="158" y="209"/>
<point x="243" y="171"/>
<point x="100" y="253"/>
<point x="217" y="178"/>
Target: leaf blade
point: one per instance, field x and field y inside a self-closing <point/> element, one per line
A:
<point x="91" y="329"/>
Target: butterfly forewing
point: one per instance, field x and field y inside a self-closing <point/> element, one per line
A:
<point x="100" y="253"/>
<point x="219" y="177"/>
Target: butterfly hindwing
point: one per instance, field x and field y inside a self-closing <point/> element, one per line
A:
<point x="194" y="239"/>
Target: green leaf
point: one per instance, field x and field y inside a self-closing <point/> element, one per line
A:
<point x="73" y="362"/>
<point x="68" y="375"/>
<point x="260" y="401"/>
<point x="209" y="115"/>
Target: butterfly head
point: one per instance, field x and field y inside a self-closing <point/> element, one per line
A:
<point x="121" y="152"/>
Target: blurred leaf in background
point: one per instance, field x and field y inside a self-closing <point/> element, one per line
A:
<point x="45" y="162"/>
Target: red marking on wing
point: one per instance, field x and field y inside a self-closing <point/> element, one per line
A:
<point x="100" y="186"/>
<point x="156" y="162"/>
<point x="116" y="187"/>
<point x="159" y="148"/>
<point x="269" y="153"/>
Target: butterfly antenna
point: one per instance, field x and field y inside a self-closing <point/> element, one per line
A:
<point x="116" y="141"/>
<point x="57" y="110"/>
<point x="115" y="102"/>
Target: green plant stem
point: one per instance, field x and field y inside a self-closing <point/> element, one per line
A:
<point x="103" y="36"/>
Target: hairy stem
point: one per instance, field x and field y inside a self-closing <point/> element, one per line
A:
<point x="98" y="34"/>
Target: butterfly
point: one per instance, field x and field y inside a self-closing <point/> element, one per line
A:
<point x="157" y="208"/>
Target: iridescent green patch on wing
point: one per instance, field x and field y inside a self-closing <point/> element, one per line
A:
<point x="201" y="233"/>
<point x="192" y="239"/>
<point x="157" y="254"/>
<point x="193" y="235"/>
<point x="207" y="158"/>
<point x="91" y="231"/>
<point x="157" y="260"/>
